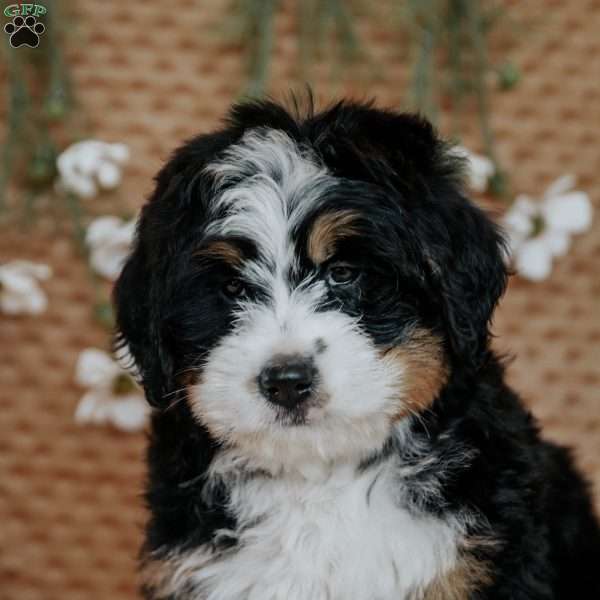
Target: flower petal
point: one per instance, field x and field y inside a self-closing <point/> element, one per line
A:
<point x="102" y="230"/>
<point x="513" y="243"/>
<point x="109" y="176"/>
<point x="118" y="152"/>
<point x="130" y="413"/>
<point x="86" y="408"/>
<point x="560" y="186"/>
<point x="518" y="219"/>
<point x="570" y="212"/>
<point x="534" y="260"/>
<point x="84" y="163"/>
<point x="129" y="228"/>
<point x="526" y="205"/>
<point x="108" y="261"/>
<point x="479" y="168"/>
<point x="81" y="186"/>
<point x="13" y="304"/>
<point x="94" y="407"/>
<point x="15" y="281"/>
<point x="89" y="159"/>
<point x="95" y="368"/>
<point x="37" y="302"/>
<point x="20" y="292"/>
<point x="110" y="241"/>
<point x="38" y="270"/>
<point x="558" y="242"/>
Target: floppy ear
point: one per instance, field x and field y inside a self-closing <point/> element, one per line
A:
<point x="464" y="255"/>
<point x="463" y="247"/>
<point x="141" y="294"/>
<point x="138" y="325"/>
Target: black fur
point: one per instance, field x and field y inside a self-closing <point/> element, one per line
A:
<point x="423" y="237"/>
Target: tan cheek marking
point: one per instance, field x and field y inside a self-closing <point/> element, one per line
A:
<point x="327" y="230"/>
<point x="165" y="577"/>
<point x="223" y="250"/>
<point x="155" y="576"/>
<point x="425" y="370"/>
<point x="460" y="582"/>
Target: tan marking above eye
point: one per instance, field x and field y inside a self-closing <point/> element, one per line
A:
<point x="327" y="230"/>
<point x="223" y="250"/>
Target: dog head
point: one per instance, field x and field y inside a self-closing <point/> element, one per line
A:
<point x="305" y="282"/>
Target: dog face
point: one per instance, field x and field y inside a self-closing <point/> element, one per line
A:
<point x="303" y="284"/>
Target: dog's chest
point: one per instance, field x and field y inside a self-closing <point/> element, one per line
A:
<point x="334" y="539"/>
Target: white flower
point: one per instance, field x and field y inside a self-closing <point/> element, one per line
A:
<point x="113" y="396"/>
<point x="539" y="231"/>
<point x="479" y="168"/>
<point x="109" y="240"/>
<point x="86" y="166"/>
<point x="20" y="291"/>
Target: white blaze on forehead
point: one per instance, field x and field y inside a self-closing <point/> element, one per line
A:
<point x="265" y="185"/>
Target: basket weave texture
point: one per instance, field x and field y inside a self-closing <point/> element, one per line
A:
<point x="152" y="74"/>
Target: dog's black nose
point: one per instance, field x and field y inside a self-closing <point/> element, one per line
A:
<point x="287" y="380"/>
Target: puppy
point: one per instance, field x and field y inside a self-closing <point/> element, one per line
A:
<point x="308" y="305"/>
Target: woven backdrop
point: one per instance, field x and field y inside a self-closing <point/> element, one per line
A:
<point x="151" y="74"/>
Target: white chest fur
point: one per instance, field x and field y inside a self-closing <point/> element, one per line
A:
<point x="338" y="537"/>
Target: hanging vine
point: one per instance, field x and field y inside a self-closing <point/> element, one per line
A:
<point x="318" y="23"/>
<point x="447" y="42"/>
<point x="40" y="107"/>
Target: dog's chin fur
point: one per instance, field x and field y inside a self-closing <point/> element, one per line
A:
<point x="405" y="469"/>
<point x="311" y="447"/>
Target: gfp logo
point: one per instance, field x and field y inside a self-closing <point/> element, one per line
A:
<point x="25" y="29"/>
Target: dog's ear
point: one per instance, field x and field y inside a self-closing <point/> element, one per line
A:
<point x="174" y="213"/>
<point x="138" y="323"/>
<point x="462" y="248"/>
<point x="464" y="258"/>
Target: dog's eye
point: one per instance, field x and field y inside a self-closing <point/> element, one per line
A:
<point x="234" y="288"/>
<point x="341" y="274"/>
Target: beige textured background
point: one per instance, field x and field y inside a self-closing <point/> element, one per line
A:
<point x="151" y="74"/>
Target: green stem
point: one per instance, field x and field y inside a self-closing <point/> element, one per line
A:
<point x="74" y="208"/>
<point x="481" y="90"/>
<point x="18" y="106"/>
<point x="456" y="85"/>
<point x="59" y="81"/>
<point x="305" y="15"/>
<point x="263" y="14"/>
<point x="349" y="41"/>
<point x="423" y="76"/>
<point x="424" y="25"/>
<point x="100" y="303"/>
<point x="31" y="198"/>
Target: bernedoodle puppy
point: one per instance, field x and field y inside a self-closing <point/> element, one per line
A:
<point x="308" y="306"/>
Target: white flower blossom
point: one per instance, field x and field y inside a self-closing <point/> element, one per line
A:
<point x="20" y="291"/>
<point x="113" y="396"/>
<point x="540" y="230"/>
<point x="109" y="240"/>
<point x="479" y="168"/>
<point x="86" y="166"/>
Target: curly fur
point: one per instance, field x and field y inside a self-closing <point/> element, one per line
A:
<point x="413" y="471"/>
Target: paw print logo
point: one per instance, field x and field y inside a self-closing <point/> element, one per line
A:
<point x="24" y="32"/>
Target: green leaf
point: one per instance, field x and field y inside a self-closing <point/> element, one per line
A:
<point x="509" y="76"/>
<point x="104" y="314"/>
